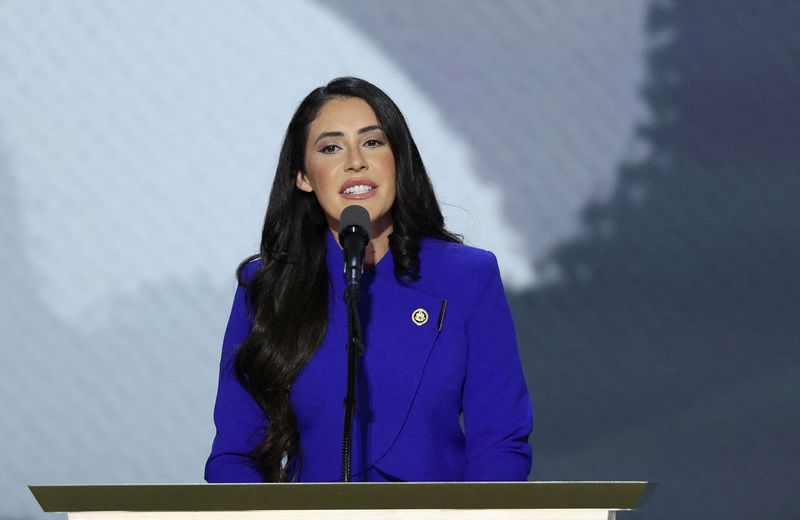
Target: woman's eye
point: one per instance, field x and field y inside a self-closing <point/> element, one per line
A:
<point x="330" y="148"/>
<point x="372" y="143"/>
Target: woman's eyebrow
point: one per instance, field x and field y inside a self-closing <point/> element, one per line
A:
<point x="338" y="133"/>
<point x="369" y="129"/>
<point x="323" y="135"/>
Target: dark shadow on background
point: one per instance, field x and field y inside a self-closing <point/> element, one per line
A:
<point x="668" y="349"/>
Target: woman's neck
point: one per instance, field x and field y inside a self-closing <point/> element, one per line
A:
<point x="379" y="243"/>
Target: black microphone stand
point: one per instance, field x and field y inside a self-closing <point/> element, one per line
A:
<point x="353" y="237"/>
<point x="355" y="349"/>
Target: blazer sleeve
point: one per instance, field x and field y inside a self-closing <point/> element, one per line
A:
<point x="238" y="418"/>
<point x="498" y="416"/>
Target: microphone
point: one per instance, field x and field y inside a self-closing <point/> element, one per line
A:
<point x="353" y="237"/>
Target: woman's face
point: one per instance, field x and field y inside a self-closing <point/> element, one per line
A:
<point x="348" y="160"/>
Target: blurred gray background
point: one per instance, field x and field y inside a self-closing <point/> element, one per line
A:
<point x="634" y="164"/>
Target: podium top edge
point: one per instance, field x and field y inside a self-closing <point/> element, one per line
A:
<point x="334" y="484"/>
<point x="614" y="495"/>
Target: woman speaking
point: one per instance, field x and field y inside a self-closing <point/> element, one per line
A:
<point x="440" y="393"/>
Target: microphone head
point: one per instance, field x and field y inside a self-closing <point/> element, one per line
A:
<point x="354" y="216"/>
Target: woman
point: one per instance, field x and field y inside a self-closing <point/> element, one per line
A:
<point x="439" y="342"/>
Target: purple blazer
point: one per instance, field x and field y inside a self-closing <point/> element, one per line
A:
<point x="417" y="380"/>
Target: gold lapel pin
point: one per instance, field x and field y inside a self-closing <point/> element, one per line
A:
<point x="419" y="316"/>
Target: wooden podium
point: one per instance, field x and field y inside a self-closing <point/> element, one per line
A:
<point x="351" y="501"/>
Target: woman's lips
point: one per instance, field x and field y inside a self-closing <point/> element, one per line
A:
<point x="358" y="189"/>
<point x="360" y="195"/>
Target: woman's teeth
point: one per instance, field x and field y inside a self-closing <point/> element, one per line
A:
<point x="357" y="190"/>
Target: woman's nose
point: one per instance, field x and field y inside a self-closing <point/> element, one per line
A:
<point x="355" y="160"/>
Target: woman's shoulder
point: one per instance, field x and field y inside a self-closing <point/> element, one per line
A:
<point x="440" y="258"/>
<point x="444" y="250"/>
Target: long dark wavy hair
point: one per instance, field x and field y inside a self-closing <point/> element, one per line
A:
<point x="290" y="290"/>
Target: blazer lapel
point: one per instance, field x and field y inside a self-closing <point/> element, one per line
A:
<point x="400" y="326"/>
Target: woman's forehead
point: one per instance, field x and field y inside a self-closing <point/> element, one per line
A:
<point x="343" y="114"/>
